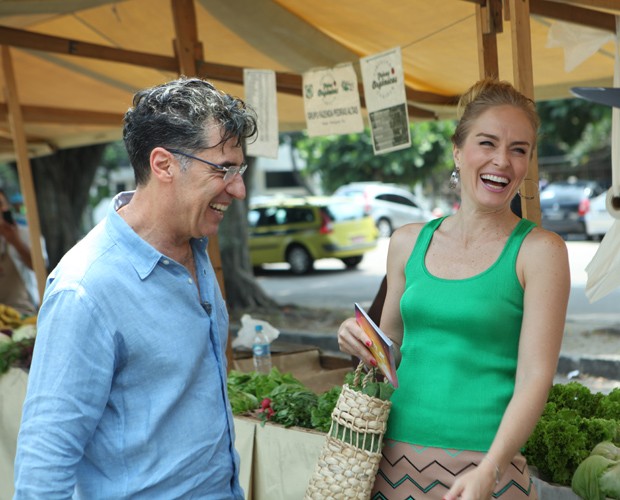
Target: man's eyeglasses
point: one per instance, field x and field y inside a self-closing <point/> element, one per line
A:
<point x="229" y="172"/>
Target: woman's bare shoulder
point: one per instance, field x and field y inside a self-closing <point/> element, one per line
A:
<point x="408" y="231"/>
<point x="542" y="247"/>
<point x="403" y="239"/>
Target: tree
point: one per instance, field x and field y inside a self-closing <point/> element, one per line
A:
<point x="62" y="182"/>
<point x="567" y="123"/>
<point x="349" y="158"/>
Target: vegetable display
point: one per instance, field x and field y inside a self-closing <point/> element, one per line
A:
<point x="573" y="422"/>
<point x="17" y="336"/>
<point x="598" y="476"/>
<point x="283" y="399"/>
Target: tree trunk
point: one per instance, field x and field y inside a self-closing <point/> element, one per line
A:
<point x="242" y="289"/>
<point x="62" y="184"/>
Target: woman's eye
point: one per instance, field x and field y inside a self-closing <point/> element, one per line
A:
<point x="486" y="143"/>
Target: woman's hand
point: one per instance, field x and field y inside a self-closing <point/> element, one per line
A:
<point x="477" y="484"/>
<point x="353" y="340"/>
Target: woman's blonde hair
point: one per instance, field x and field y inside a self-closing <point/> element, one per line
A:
<point x="489" y="93"/>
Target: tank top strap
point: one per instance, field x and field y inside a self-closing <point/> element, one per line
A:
<point x="424" y="240"/>
<point x="513" y="245"/>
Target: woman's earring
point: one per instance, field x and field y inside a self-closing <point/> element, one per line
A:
<point x="454" y="178"/>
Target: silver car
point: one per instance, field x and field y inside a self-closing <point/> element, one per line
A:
<point x="390" y="205"/>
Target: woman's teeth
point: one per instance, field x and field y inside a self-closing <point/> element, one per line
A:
<point x="495" y="179"/>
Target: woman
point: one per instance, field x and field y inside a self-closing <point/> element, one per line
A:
<point x="476" y="304"/>
<point x="15" y="261"/>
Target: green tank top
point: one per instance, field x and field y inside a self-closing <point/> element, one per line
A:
<point x="459" y="351"/>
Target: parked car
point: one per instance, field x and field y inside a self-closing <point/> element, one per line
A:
<point x="302" y="230"/>
<point x="564" y="204"/>
<point x="390" y="205"/>
<point x="598" y="220"/>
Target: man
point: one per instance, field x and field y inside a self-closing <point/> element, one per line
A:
<point x="15" y="261"/>
<point x="127" y="391"/>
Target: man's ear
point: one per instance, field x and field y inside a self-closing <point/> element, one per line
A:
<point x="161" y="164"/>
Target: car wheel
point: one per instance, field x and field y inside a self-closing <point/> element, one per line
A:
<point x="299" y="259"/>
<point x="385" y="228"/>
<point x="352" y="262"/>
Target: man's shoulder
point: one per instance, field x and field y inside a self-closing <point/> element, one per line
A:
<point x="92" y="255"/>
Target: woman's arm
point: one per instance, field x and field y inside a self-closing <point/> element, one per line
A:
<point x="11" y="233"/>
<point x="544" y="271"/>
<point x="351" y="337"/>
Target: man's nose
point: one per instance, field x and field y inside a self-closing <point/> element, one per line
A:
<point x="236" y="187"/>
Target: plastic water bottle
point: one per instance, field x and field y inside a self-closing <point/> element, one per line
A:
<point x="261" y="351"/>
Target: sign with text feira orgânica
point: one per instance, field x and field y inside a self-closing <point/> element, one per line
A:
<point x="386" y="102"/>
<point x="332" y="101"/>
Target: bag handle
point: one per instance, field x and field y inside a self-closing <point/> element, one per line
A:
<point x="369" y="377"/>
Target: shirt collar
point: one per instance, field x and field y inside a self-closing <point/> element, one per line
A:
<point x="142" y="256"/>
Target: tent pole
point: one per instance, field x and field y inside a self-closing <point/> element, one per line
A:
<point x="188" y="50"/>
<point x="24" y="170"/>
<point x="519" y="11"/>
<point x="488" y="24"/>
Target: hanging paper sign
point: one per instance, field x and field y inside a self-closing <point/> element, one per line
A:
<point x="260" y="94"/>
<point x="384" y="91"/>
<point x="332" y="101"/>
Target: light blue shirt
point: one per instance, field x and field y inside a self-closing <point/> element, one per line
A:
<point x="127" y="390"/>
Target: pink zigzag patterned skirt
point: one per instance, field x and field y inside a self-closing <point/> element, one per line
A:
<point x="409" y="472"/>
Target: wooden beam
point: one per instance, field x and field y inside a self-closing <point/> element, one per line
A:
<point x="524" y="82"/>
<point x="291" y="83"/>
<point x="47" y="43"/>
<point x="186" y="45"/>
<point x="487" y="25"/>
<point x="285" y="82"/>
<point x="581" y="12"/>
<point x="45" y="114"/>
<point x="610" y="5"/>
<point x="573" y="14"/>
<point x="23" y="168"/>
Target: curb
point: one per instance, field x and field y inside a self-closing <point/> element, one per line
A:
<point x="596" y="366"/>
<point x="606" y="366"/>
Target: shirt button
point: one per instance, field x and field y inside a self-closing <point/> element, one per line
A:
<point x="166" y="262"/>
<point x="190" y="281"/>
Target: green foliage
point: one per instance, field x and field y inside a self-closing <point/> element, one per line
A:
<point x="15" y="354"/>
<point x="609" y="406"/>
<point x="573" y="423"/>
<point x="321" y="415"/>
<point x="281" y="398"/>
<point x="575" y="396"/>
<point x="290" y="401"/>
<point x="293" y="405"/>
<point x="349" y="158"/>
<point x="260" y="385"/>
<point x="567" y="124"/>
<point x="115" y="155"/>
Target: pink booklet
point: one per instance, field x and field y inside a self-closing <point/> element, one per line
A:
<point x="382" y="347"/>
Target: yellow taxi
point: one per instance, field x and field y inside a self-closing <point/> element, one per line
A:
<point x="300" y="230"/>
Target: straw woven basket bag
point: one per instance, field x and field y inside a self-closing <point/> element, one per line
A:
<point x="350" y="457"/>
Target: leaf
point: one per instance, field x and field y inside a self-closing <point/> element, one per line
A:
<point x="585" y="481"/>
<point x="610" y="481"/>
